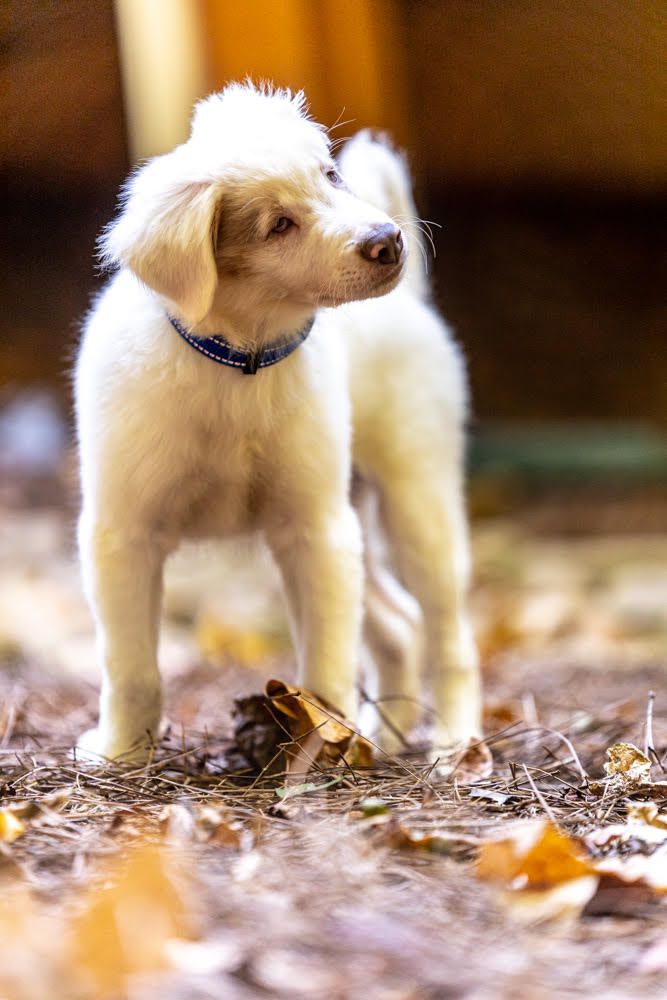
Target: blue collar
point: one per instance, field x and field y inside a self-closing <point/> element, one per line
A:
<point x="218" y="349"/>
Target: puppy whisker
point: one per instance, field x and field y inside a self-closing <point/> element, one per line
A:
<point x="412" y="226"/>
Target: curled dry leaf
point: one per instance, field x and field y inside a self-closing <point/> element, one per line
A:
<point x="290" y="729"/>
<point x="258" y="733"/>
<point x="474" y="764"/>
<point x="308" y="712"/>
<point x="318" y="729"/>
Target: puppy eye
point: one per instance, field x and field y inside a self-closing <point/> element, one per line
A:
<point x="282" y="225"/>
<point x="334" y="177"/>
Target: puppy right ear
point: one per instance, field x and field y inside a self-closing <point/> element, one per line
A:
<point x="164" y="234"/>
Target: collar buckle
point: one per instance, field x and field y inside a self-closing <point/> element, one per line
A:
<point x="253" y="361"/>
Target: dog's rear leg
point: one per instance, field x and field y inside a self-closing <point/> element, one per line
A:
<point x="392" y="622"/>
<point x="426" y="521"/>
<point x="323" y="577"/>
<point x="123" y="581"/>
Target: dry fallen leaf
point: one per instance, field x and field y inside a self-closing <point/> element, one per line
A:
<point x="11" y="827"/>
<point x="628" y="763"/>
<point x="209" y="823"/>
<point x="390" y="832"/>
<point x="628" y="771"/>
<point x="124" y="927"/>
<point x="619" y="836"/>
<point x="31" y="948"/>
<point x="308" y="712"/>
<point x="647" y="812"/>
<point x="544" y="873"/>
<point x="566" y="900"/>
<point x="491" y="795"/>
<point x="318" y="730"/>
<point x="474" y="764"/>
<point x="258" y="734"/>
<point x="616" y="897"/>
<point x="646" y="864"/>
<point x="45" y="808"/>
<point x="537" y="855"/>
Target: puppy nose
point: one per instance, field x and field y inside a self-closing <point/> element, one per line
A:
<point x="384" y="244"/>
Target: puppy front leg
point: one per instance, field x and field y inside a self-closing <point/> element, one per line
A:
<point x="323" y="577"/>
<point x="427" y="524"/>
<point x="122" y="575"/>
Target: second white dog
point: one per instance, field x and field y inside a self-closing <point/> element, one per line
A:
<point x="219" y="381"/>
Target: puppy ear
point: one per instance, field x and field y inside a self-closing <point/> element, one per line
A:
<point x="165" y="234"/>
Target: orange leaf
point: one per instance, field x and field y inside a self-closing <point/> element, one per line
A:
<point x="537" y="856"/>
<point x="124" y="928"/>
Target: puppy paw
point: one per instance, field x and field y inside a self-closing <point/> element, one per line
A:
<point x="92" y="747"/>
<point x="97" y="747"/>
<point x="443" y="755"/>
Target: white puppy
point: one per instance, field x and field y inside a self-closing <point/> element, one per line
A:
<point x="210" y="404"/>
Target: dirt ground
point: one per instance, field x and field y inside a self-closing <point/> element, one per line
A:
<point x="182" y="879"/>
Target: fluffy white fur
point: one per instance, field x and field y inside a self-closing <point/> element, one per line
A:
<point x="174" y="446"/>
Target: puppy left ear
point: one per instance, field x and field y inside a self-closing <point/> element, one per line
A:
<point x="165" y="235"/>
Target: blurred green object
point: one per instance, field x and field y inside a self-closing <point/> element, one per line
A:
<point x="575" y="452"/>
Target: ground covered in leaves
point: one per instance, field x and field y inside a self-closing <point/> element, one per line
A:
<point x="539" y="873"/>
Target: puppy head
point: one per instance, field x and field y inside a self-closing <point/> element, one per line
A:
<point x="251" y="213"/>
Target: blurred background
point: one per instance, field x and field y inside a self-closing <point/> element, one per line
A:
<point x="537" y="135"/>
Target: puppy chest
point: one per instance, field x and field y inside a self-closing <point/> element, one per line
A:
<point x="225" y="492"/>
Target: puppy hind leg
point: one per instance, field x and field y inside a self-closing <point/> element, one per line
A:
<point x="392" y="622"/>
<point x="393" y="642"/>
<point x="123" y="582"/>
<point x="427" y="526"/>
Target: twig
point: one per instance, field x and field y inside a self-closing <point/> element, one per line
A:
<point x="568" y="744"/>
<point x="648" y="727"/>
<point x="540" y="798"/>
<point x="385" y="719"/>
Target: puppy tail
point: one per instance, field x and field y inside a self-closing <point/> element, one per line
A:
<point x="379" y="174"/>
